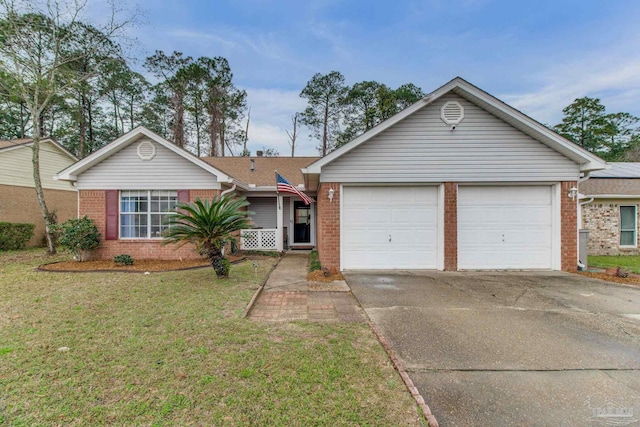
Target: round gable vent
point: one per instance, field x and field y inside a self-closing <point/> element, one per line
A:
<point x="146" y="150"/>
<point x="452" y="113"/>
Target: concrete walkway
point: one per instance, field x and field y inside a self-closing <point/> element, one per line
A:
<point x="288" y="296"/>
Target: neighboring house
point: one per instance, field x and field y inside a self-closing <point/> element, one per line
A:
<point x="459" y="180"/>
<point x="18" y="202"/>
<point x="609" y="201"/>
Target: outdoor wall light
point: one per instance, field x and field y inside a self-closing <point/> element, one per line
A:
<point x="573" y="192"/>
<point x="331" y="195"/>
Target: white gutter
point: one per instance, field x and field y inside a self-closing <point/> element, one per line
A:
<point x="614" y="196"/>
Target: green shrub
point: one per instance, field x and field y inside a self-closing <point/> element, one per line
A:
<point x="79" y="236"/>
<point x="123" y="259"/>
<point x="15" y="235"/>
<point x="314" y="261"/>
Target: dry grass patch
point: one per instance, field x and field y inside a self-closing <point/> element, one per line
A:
<point x="172" y="349"/>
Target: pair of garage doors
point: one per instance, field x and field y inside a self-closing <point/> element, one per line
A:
<point x="499" y="227"/>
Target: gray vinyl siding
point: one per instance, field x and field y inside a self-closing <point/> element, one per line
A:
<point x="264" y="212"/>
<point x="286" y="208"/>
<point x="422" y="148"/>
<point x="166" y="171"/>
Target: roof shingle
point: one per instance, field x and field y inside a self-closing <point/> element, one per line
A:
<point x="5" y="144"/>
<point x="263" y="174"/>
<point x="610" y="186"/>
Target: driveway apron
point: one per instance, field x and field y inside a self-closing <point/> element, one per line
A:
<point x="503" y="349"/>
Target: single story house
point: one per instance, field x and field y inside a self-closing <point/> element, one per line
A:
<point x="609" y="202"/>
<point x="18" y="202"/>
<point x="457" y="181"/>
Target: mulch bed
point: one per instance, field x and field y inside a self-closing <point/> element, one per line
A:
<point x="318" y="276"/>
<point x="139" y="266"/>
<point x="633" y="279"/>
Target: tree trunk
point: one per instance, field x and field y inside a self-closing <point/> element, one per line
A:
<point x="325" y="125"/>
<point x="132" y="121"/>
<point x="23" y="121"/>
<point x="178" y="119"/>
<point x="115" y="116"/>
<point x="83" y="128"/>
<point x="35" y="160"/>
<point x="90" y="126"/>
<point x="213" y="109"/>
<point x="218" y="262"/>
<point x="222" y="139"/>
<point x="196" y="114"/>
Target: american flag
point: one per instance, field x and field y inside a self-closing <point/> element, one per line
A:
<point x="285" y="186"/>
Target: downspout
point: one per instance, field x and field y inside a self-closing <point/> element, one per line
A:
<point x="581" y="266"/>
<point x="230" y="190"/>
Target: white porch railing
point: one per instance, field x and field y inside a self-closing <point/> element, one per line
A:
<point x="259" y="239"/>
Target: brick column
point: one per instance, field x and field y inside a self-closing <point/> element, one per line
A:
<point x="450" y="226"/>
<point x="568" y="227"/>
<point x="328" y="226"/>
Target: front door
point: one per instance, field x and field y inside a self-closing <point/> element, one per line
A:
<point x="301" y="222"/>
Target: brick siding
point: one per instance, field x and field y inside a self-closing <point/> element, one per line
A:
<point x="328" y="226"/>
<point x="92" y="204"/>
<point x="569" y="228"/>
<point x="20" y="204"/>
<point x="602" y="219"/>
<point x="450" y="226"/>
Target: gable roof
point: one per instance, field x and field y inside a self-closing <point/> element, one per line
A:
<point x="263" y="174"/>
<point x="618" y="170"/>
<point x="493" y="105"/>
<point x="23" y="142"/>
<point x="71" y="173"/>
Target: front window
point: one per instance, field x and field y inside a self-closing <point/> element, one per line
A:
<point x="143" y="214"/>
<point x="628" y="225"/>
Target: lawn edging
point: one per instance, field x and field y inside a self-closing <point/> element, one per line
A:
<point x="42" y="268"/>
<point x="399" y="367"/>
<point x="259" y="291"/>
<point x="426" y="411"/>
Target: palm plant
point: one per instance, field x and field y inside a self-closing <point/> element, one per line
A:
<point x="208" y="225"/>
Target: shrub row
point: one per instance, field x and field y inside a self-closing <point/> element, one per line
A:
<point x="15" y="235"/>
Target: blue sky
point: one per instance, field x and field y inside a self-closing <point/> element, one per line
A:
<point x="535" y="55"/>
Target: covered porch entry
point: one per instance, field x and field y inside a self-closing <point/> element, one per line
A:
<point x="280" y="223"/>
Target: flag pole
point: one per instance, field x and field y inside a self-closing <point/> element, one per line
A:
<point x="277" y="194"/>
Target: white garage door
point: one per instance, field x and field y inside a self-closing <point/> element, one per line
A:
<point x="505" y="227"/>
<point x="390" y="227"/>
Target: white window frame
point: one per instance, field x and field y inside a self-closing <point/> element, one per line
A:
<point x="149" y="213"/>
<point x="635" y="226"/>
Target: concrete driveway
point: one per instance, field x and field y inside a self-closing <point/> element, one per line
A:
<point x="512" y="349"/>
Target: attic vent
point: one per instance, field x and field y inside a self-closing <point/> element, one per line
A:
<point x="452" y="113"/>
<point x="146" y="150"/>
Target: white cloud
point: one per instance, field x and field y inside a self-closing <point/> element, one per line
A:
<point x="612" y="75"/>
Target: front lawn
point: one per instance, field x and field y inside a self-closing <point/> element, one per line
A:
<point x="628" y="262"/>
<point x="172" y="349"/>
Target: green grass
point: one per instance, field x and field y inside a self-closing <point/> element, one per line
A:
<point x="172" y="349"/>
<point x="314" y="261"/>
<point x="628" y="262"/>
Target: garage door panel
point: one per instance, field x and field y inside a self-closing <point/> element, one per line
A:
<point x="508" y="227"/>
<point x="371" y="215"/>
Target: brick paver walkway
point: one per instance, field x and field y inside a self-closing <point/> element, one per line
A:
<point x="312" y="305"/>
<point x="288" y="296"/>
